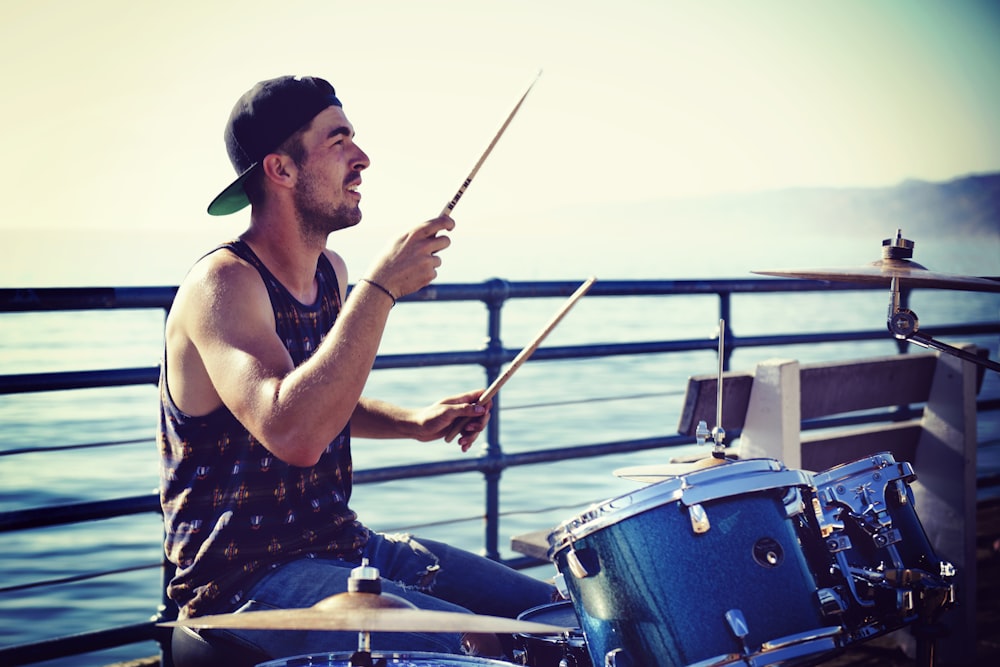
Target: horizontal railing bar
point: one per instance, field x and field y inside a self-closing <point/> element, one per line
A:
<point x="25" y="383"/>
<point x="13" y="300"/>
<point x="86" y="642"/>
<point x="78" y="578"/>
<point x="42" y="517"/>
<point x="56" y="381"/>
<point x="58" y="515"/>
<point x="64" y="448"/>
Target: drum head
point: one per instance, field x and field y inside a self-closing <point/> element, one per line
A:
<point x="561" y="614"/>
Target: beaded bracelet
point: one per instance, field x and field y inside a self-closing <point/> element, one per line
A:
<point x="377" y="286"/>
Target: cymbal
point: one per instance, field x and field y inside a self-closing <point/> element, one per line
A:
<point x="364" y="612"/>
<point x="883" y="271"/>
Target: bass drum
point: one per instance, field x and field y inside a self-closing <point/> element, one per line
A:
<point x="558" y="650"/>
<point x="702" y="568"/>
<point x="397" y="659"/>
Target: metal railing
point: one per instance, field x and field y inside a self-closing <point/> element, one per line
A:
<point x="491" y="357"/>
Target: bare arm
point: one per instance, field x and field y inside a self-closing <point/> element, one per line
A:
<point x="222" y="348"/>
<point x="378" y="419"/>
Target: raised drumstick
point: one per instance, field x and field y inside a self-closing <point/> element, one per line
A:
<point x="458" y="195"/>
<point x="523" y="355"/>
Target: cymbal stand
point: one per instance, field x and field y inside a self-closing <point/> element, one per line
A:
<point x="904" y="324"/>
<point x="365" y="579"/>
<point x="719" y="433"/>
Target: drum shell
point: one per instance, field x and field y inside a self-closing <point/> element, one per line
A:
<point x="661" y="591"/>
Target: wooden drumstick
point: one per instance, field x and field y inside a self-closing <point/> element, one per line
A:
<point x="523" y="355"/>
<point x="458" y="195"/>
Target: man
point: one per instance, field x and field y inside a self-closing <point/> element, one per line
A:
<point x="265" y="362"/>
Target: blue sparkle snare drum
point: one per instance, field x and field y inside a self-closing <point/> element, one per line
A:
<point x="703" y="568"/>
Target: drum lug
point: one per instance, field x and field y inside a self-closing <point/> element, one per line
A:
<point x="582" y="563"/>
<point x="699" y="519"/>
<point x="737" y="623"/>
<point x="738" y="626"/>
<point x="794" y="505"/>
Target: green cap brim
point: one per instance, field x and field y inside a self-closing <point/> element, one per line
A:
<point x="233" y="198"/>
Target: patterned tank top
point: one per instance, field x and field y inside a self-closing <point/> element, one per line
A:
<point x="231" y="509"/>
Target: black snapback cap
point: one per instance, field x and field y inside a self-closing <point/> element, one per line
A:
<point x="263" y="118"/>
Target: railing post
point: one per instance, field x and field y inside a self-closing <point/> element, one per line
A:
<point x="725" y="314"/>
<point x="497" y="294"/>
<point x="167" y="611"/>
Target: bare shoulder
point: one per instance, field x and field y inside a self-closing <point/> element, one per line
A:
<point x="221" y="286"/>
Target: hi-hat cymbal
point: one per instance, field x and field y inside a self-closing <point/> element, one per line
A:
<point x="883" y="271"/>
<point x="340" y="613"/>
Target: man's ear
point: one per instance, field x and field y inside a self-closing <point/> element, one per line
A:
<point x="279" y="169"/>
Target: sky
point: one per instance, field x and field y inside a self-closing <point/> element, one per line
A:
<point x="113" y="112"/>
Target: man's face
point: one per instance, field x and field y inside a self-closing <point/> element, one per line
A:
<point x="326" y="194"/>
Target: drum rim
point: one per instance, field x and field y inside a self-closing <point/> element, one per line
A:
<point x="875" y="462"/>
<point x="390" y="653"/>
<point x="575" y="633"/>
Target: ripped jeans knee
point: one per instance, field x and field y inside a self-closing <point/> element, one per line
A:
<point x="455" y="575"/>
<point x="405" y="560"/>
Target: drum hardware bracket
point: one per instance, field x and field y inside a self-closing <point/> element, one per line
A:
<point x="830" y="602"/>
<point x="846" y="571"/>
<point x="364" y="659"/>
<point x="737" y="623"/>
<point x="901" y="493"/>
<point x="826" y="528"/>
<point x="903" y="323"/>
<point x="699" y="519"/>
<point x="793" y="502"/>
<point x="838" y="543"/>
<point x="719" y="433"/>
<point x="582" y="562"/>
<point x="618" y="657"/>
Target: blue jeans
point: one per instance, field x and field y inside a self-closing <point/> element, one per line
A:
<point x="432" y="575"/>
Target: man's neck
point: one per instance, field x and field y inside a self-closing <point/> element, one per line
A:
<point x="288" y="255"/>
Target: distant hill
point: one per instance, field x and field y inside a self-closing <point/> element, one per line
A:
<point x="964" y="206"/>
<point x="969" y="205"/>
<point x="955" y="226"/>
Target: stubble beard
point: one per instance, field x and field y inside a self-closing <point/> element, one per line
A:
<point x="317" y="216"/>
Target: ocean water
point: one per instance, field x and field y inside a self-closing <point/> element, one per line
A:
<point x="547" y="404"/>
